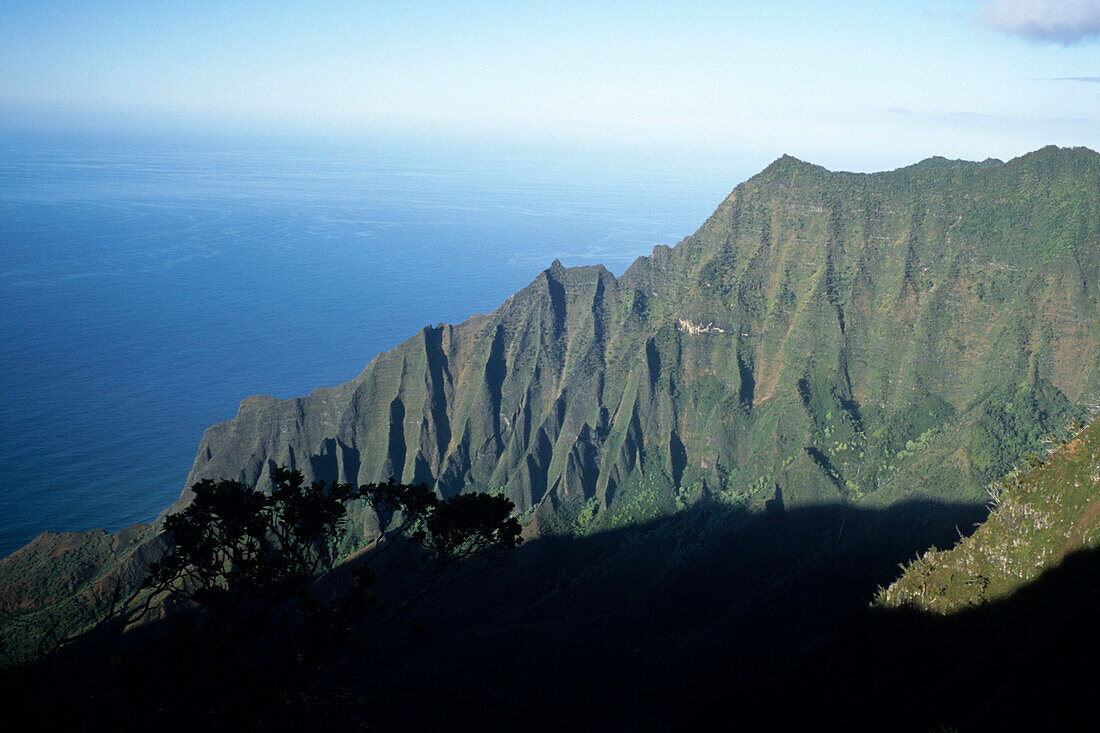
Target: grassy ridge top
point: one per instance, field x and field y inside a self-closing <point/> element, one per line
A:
<point x="1040" y="516"/>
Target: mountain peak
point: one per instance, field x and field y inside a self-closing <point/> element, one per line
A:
<point x="1053" y="153"/>
<point x="787" y="167"/>
<point x="938" y="161"/>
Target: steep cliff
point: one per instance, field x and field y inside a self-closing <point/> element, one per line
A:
<point x="826" y="345"/>
<point x="824" y="337"/>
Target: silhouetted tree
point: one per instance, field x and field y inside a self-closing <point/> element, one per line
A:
<point x="252" y="562"/>
<point x="251" y="584"/>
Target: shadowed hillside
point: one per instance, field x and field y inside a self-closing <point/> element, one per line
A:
<point x="1021" y="663"/>
<point x="635" y="626"/>
<point x="639" y="626"/>
<point x="760" y="619"/>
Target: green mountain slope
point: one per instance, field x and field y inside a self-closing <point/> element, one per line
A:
<point x="824" y="337"/>
<point x="825" y="340"/>
<point x="59" y="583"/>
<point x="994" y="634"/>
<point x="1040" y="517"/>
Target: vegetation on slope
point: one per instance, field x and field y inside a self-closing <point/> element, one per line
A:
<point x="61" y="584"/>
<point x="831" y="337"/>
<point x="1041" y="514"/>
<point x="824" y="339"/>
<point x="997" y="633"/>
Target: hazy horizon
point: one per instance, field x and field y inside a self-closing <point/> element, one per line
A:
<point x="865" y="86"/>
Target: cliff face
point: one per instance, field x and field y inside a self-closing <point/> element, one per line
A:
<point x="824" y="337"/>
<point x="848" y="340"/>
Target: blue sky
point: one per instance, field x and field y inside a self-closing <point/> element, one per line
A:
<point x="856" y="85"/>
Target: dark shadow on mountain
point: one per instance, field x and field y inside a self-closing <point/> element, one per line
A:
<point x="643" y="627"/>
<point x="760" y="620"/>
<point x="775" y="504"/>
<point x="1026" y="662"/>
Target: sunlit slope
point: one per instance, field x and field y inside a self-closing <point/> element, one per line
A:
<point x="61" y="583"/>
<point x="824" y="337"/>
<point x="1040" y="516"/>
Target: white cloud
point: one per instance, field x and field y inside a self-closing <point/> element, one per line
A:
<point x="1063" y="21"/>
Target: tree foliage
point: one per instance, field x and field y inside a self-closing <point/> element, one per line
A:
<point x="260" y="597"/>
<point x="241" y="554"/>
<point x="253" y="562"/>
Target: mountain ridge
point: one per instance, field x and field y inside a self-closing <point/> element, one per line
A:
<point x="823" y="339"/>
<point x="577" y="336"/>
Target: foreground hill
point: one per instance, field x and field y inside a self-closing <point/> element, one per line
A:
<point x="1040" y="517"/>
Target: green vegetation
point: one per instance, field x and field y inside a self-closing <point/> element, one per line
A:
<point x="833" y="363"/>
<point x="852" y="337"/>
<point x="1008" y="426"/>
<point x="62" y="584"/>
<point x="1042" y="512"/>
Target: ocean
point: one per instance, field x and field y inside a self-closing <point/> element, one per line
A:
<point x="148" y="285"/>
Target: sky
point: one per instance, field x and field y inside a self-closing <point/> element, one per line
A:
<point x="854" y="85"/>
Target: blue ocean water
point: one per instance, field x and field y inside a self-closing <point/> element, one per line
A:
<point x="147" y="286"/>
